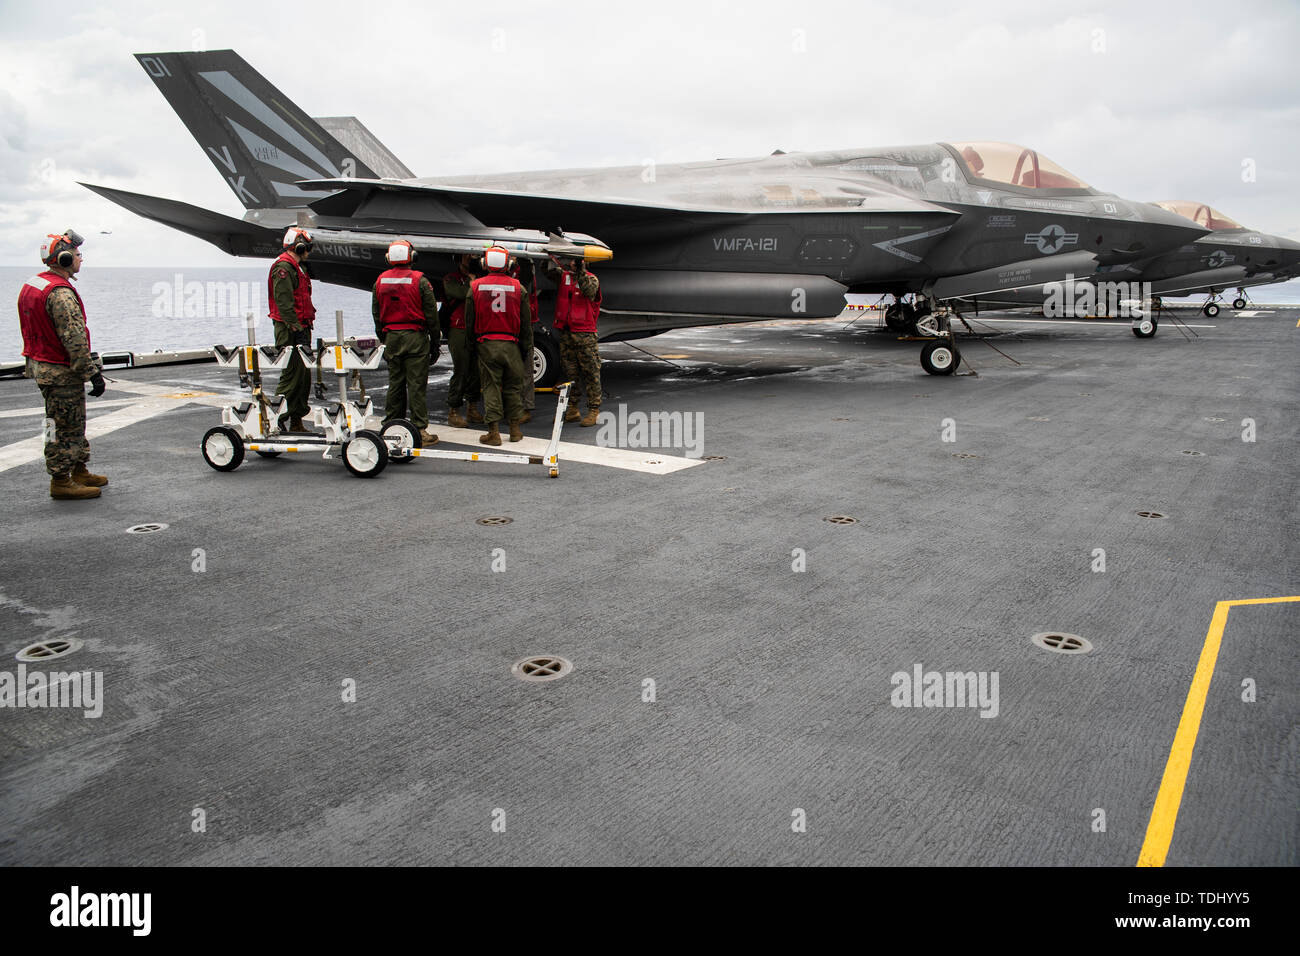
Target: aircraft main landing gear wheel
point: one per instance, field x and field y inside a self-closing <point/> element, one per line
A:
<point x="402" y="438"/>
<point x="1211" y="310"/>
<point x="546" y="363"/>
<point x="366" y="454"/>
<point x="1238" y="303"/>
<point x="1145" y="329"/>
<point x="223" y="449"/>
<point x="940" y="358"/>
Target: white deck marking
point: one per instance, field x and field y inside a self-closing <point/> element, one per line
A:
<point x="624" y="458"/>
<point x="135" y="410"/>
<point x="155" y="400"/>
<point x="40" y="409"/>
<point x="1121" y="323"/>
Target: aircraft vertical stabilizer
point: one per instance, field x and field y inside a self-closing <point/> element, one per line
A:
<point x="259" y="141"/>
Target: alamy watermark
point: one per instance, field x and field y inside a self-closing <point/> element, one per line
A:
<point x="71" y="689"/>
<point x="624" y="429"/>
<point x="205" y="300"/>
<point x="922" y="688"/>
<point x="1069" y="299"/>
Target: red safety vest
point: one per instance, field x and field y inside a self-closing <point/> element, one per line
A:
<point x="573" y="310"/>
<point x="457" y="319"/>
<point x="400" y="307"/>
<point x="496" y="306"/>
<point x="40" y="342"/>
<point x="301" y="294"/>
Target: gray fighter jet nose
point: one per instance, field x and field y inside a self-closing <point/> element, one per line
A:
<point x="1168" y="230"/>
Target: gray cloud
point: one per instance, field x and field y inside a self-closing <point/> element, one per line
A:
<point x="1145" y="100"/>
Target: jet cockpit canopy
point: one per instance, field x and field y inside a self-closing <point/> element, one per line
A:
<point x="1199" y="213"/>
<point x="1008" y="164"/>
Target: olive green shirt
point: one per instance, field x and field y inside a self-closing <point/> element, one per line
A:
<point x="284" y="279"/>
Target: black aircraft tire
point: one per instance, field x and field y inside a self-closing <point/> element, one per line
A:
<point x="1211" y="310"/>
<point x="1239" y="303"/>
<point x="940" y="358"/>
<point x="365" y="455"/>
<point x="546" y="362"/>
<point x="222" y="448"/>
<point x="1142" y="333"/>
<point x="409" y="437"/>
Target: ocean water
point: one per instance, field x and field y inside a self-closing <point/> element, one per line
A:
<point x="142" y="310"/>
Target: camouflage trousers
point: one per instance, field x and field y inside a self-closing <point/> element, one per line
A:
<point x="528" y="391"/>
<point x="295" y="380"/>
<point x="502" y="371"/>
<point x="464" y="385"/>
<point x="65" y="427"/>
<point x="580" y="356"/>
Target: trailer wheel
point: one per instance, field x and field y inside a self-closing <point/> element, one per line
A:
<point x="222" y="448"/>
<point x="940" y="358"/>
<point x="365" y="455"/>
<point x="402" y="438"/>
<point x="269" y="454"/>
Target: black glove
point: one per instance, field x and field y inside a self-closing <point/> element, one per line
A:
<point x="301" y="336"/>
<point x="97" y="385"/>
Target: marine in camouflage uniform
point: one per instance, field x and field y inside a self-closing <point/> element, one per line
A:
<point x="464" y="385"/>
<point x="63" y="385"/>
<point x="579" y="349"/>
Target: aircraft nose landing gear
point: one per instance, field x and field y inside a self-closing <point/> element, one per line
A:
<point x="940" y="357"/>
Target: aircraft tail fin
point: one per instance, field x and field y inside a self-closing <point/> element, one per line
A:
<point x="259" y="141"/>
<point x="364" y="145"/>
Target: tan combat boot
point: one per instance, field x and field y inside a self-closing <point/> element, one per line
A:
<point x="475" y="417"/>
<point x="493" y="436"/>
<point x="571" y="414"/>
<point x="83" y="477"/>
<point x="298" y="425"/>
<point x="516" y="433"/>
<point x="589" y="419"/>
<point x="65" y="489"/>
<point x="528" y="416"/>
<point x="455" y="419"/>
<point x="427" y="438"/>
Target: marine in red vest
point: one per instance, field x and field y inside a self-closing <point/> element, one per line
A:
<point x="577" y="307"/>
<point x="405" y="310"/>
<point x="496" y="312"/>
<point x="464" y="385"/>
<point x="289" y="295"/>
<point x="56" y="344"/>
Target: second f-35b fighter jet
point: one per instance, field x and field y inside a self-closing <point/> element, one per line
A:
<point x="779" y="236"/>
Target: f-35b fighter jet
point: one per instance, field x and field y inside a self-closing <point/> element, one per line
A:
<point x="779" y="236"/>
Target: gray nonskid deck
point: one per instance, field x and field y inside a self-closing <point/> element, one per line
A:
<point x="223" y="689"/>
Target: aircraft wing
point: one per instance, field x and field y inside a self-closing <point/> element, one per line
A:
<point x="233" y="236"/>
<point x="602" y="216"/>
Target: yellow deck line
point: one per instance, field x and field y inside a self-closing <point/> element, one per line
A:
<point x="1164" y="814"/>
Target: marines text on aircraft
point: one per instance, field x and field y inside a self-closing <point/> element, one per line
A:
<point x="780" y="236"/>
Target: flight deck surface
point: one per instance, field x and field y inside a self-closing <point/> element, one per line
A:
<point x="723" y="706"/>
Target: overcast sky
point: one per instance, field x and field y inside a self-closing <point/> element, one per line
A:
<point x="1147" y="100"/>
